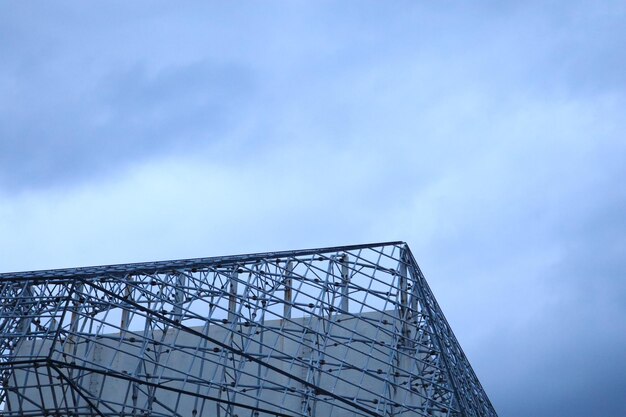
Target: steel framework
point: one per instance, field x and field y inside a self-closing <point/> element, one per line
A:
<point x="341" y="331"/>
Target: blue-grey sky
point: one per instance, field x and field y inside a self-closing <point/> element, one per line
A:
<point x="490" y="136"/>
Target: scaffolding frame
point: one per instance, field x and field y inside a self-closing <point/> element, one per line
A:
<point x="343" y="331"/>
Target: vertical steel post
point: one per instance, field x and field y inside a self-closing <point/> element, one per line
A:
<point x="287" y="283"/>
<point x="179" y="297"/>
<point x="23" y="327"/>
<point x="232" y="297"/>
<point x="345" y="282"/>
<point x="125" y="322"/>
<point x="403" y="285"/>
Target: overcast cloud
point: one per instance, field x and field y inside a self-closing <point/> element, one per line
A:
<point x="490" y="137"/>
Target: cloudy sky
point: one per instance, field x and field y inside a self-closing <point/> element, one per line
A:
<point x="490" y="137"/>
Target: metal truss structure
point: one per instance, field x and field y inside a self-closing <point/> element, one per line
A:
<point x="341" y="331"/>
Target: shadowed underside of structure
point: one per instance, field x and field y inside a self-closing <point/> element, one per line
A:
<point x="343" y="331"/>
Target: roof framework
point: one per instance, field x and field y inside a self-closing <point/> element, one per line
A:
<point x="342" y="331"/>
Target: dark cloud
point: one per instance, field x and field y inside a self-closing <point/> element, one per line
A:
<point x="64" y="133"/>
<point x="88" y="89"/>
<point x="572" y="354"/>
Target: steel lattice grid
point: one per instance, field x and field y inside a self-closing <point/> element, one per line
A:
<point x="337" y="331"/>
